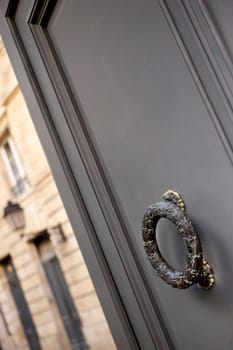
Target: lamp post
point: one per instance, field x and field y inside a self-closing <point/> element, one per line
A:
<point x="14" y="215"/>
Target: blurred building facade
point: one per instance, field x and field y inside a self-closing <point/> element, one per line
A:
<point x="47" y="300"/>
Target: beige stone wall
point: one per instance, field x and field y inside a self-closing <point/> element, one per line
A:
<point x="43" y="209"/>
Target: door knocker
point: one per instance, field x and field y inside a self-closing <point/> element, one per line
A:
<point x="196" y="270"/>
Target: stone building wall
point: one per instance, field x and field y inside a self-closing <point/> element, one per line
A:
<point x="43" y="211"/>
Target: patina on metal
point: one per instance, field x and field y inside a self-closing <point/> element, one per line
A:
<point x="196" y="270"/>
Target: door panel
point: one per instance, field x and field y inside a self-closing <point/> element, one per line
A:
<point x="146" y="124"/>
<point x="103" y="261"/>
<point x="152" y="131"/>
<point x="222" y="12"/>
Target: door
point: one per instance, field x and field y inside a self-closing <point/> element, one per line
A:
<point x="22" y="306"/>
<point x="131" y="98"/>
<point x="62" y="295"/>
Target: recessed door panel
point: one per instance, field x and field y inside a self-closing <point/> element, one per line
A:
<point x="151" y="131"/>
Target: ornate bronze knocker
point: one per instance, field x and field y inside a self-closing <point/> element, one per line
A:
<point x="196" y="270"/>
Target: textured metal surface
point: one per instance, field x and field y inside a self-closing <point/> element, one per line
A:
<point x="196" y="269"/>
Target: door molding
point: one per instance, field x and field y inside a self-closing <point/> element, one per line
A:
<point x="99" y="270"/>
<point x="144" y="312"/>
<point x="117" y="229"/>
<point x="211" y="66"/>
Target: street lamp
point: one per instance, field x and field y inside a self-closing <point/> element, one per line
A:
<point x="14" y="215"/>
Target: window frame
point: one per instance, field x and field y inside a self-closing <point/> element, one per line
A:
<point x="15" y="183"/>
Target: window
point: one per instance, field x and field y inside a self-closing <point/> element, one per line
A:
<point x="22" y="306"/>
<point x="61" y="293"/>
<point x="14" y="167"/>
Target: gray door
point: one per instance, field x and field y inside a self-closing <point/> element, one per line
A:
<point x="131" y="98"/>
<point x="22" y="306"/>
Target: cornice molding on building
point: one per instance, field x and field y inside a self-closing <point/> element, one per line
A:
<point x="4" y="123"/>
<point x="43" y="180"/>
<point x="2" y="111"/>
<point x="30" y="236"/>
<point x="14" y="90"/>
